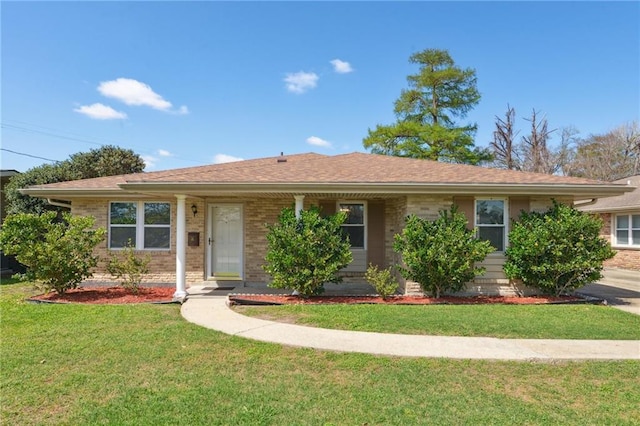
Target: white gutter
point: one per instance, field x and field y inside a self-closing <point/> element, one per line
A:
<point x="59" y="204"/>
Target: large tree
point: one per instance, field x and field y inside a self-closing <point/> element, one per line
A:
<point x="610" y="156"/>
<point x="533" y="152"/>
<point x="105" y="161"/>
<point x="426" y="127"/>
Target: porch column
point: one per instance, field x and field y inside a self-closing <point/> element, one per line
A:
<point x="181" y="248"/>
<point x="299" y="204"/>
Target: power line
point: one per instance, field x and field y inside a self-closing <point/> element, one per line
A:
<point x="29" y="155"/>
<point x="81" y="138"/>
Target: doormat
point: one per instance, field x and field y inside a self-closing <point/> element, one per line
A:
<point x="223" y="288"/>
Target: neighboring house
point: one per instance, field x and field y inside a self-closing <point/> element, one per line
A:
<point x="621" y="216"/>
<point x="8" y="264"/>
<point x="208" y="222"/>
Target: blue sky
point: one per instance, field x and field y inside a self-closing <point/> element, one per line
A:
<point x="192" y="83"/>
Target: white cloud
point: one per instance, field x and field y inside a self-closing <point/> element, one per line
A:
<point x="300" y="82"/>
<point x="101" y="112"/>
<point x="164" y="153"/>
<point x="314" y="140"/>
<point x="149" y="161"/>
<point x="224" y="158"/>
<point x="341" y="67"/>
<point x="134" y="92"/>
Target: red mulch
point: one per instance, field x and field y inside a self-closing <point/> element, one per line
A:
<point x="110" y="295"/>
<point x="267" y="299"/>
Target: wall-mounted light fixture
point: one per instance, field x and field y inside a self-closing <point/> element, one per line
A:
<point x="194" y="209"/>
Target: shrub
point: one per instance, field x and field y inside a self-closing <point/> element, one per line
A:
<point x="128" y="267"/>
<point x="382" y="280"/>
<point x="556" y="251"/>
<point x="440" y="255"/>
<point x="58" y="254"/>
<point x="305" y="253"/>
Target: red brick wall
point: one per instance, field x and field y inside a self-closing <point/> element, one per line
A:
<point x="624" y="258"/>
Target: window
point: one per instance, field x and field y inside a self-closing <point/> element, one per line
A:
<point x="145" y="225"/>
<point x="628" y="230"/>
<point x="490" y="221"/>
<point x="354" y="225"/>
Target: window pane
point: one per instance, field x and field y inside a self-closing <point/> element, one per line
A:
<point x="355" y="213"/>
<point x="622" y="222"/>
<point x="635" y="221"/>
<point x="490" y="212"/>
<point x="157" y="213"/>
<point x="156" y="238"/>
<point x="355" y="234"/>
<point x="622" y="237"/>
<point x="120" y="236"/>
<point x="635" y="237"/>
<point x="123" y="213"/>
<point x="495" y="235"/>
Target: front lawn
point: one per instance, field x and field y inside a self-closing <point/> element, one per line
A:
<point x="145" y="365"/>
<point x="505" y="321"/>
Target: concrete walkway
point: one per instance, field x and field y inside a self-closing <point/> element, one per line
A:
<point x="208" y="308"/>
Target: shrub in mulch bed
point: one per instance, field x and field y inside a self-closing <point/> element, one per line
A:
<point x="108" y="295"/>
<point x="269" y="299"/>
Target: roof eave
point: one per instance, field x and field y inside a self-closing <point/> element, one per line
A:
<point x="149" y="189"/>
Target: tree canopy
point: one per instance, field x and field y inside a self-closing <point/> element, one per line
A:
<point x="107" y="160"/>
<point x="438" y="95"/>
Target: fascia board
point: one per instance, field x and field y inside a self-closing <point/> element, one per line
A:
<point x="163" y="188"/>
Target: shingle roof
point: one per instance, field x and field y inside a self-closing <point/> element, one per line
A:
<point x="316" y="168"/>
<point x="629" y="200"/>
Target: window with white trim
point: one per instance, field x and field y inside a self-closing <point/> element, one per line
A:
<point x="143" y="225"/>
<point x="354" y="224"/>
<point x="491" y="221"/>
<point x="627" y="230"/>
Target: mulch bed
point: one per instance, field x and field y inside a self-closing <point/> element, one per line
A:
<point x="109" y="295"/>
<point x="267" y="299"/>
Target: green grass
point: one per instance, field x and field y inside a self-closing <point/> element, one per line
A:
<point x="145" y="365"/>
<point x="505" y="321"/>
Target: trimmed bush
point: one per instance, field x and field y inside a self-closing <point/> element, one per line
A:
<point x="556" y="251"/>
<point x="440" y="255"/>
<point x="126" y="266"/>
<point x="58" y="253"/>
<point x="382" y="280"/>
<point x="305" y="253"/>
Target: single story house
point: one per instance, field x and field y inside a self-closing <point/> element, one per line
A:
<point x="621" y="216"/>
<point x="208" y="222"/>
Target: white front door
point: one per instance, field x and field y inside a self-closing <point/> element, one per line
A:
<point x="225" y="242"/>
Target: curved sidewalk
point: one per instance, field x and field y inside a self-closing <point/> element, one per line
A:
<point x="212" y="312"/>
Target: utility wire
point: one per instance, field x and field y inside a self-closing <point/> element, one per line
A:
<point x="72" y="138"/>
<point x="29" y="155"/>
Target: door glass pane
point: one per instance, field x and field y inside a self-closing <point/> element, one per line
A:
<point x="121" y="236"/>
<point x="622" y="236"/>
<point x="490" y="212"/>
<point x="123" y="213"/>
<point x="158" y="238"/>
<point x="622" y="222"/>
<point x="227" y="240"/>
<point x="493" y="234"/>
<point x="157" y="213"/>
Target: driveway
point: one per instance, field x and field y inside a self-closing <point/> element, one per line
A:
<point x="619" y="287"/>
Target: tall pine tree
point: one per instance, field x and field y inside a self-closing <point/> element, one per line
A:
<point x="426" y="128"/>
